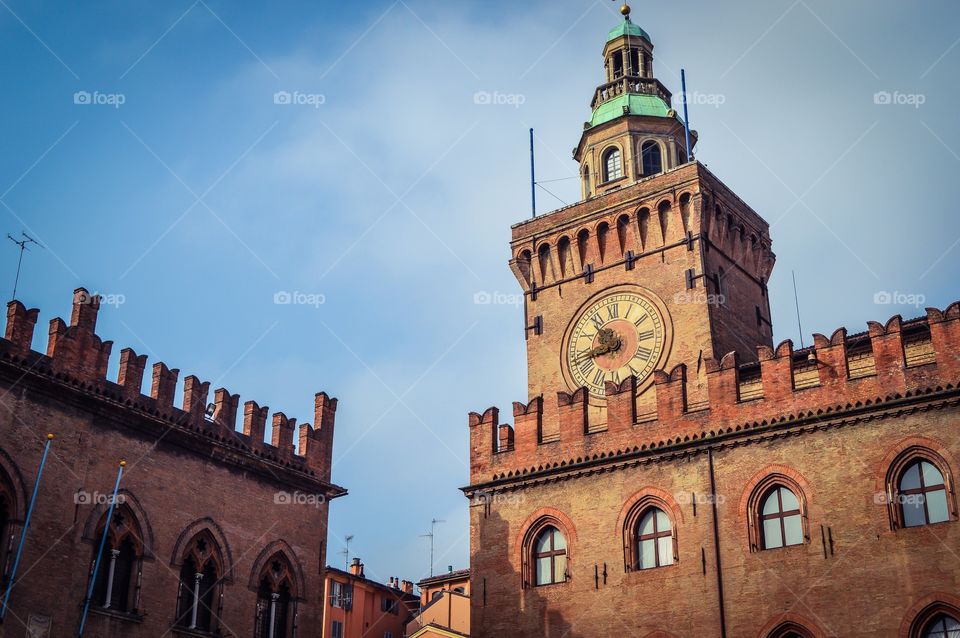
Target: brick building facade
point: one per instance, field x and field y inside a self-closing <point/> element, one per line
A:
<point x="672" y="473"/>
<point x="215" y="532"/>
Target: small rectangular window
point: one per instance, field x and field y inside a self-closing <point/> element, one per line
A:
<point x="336" y="629"/>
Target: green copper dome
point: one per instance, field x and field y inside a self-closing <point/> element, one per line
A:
<point x="636" y="104"/>
<point x="627" y="28"/>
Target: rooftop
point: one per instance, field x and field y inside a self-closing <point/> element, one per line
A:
<point x="627" y="28"/>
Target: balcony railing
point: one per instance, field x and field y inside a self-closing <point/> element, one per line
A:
<point x="630" y="84"/>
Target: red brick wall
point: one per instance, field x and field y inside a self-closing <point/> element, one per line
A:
<point x="182" y="475"/>
<point x="865" y="586"/>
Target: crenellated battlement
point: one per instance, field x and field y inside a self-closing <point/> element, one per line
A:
<point x="78" y="357"/>
<point x="672" y="210"/>
<point x="844" y="373"/>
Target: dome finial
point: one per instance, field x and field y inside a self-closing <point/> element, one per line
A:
<point x="625" y="10"/>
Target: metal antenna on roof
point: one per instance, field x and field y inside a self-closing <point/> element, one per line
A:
<point x="433" y="524"/>
<point x="346" y="552"/>
<point x="796" y="299"/>
<point x="22" y="243"/>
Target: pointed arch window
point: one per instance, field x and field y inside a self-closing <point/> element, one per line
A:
<point x="612" y="165"/>
<point x="275" y="596"/>
<point x="7" y="514"/>
<point x="550" y="557"/>
<point x="942" y="626"/>
<point x="654" y="538"/>
<point x="922" y="494"/>
<point x="780" y="518"/>
<point x="117" y="584"/>
<point x="199" y="595"/>
<point x="651" y="158"/>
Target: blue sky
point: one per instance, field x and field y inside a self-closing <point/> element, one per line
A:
<point x="385" y="190"/>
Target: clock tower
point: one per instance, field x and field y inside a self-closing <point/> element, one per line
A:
<point x="660" y="267"/>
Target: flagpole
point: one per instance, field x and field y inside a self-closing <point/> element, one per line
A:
<point x="26" y="526"/>
<point x="103" y="541"/>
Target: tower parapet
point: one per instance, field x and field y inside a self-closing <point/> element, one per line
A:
<point x="843" y="374"/>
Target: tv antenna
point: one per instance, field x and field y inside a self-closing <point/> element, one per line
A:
<point x="23" y="242"/>
<point x="796" y="300"/>
<point x="346" y="552"/>
<point x="433" y="524"/>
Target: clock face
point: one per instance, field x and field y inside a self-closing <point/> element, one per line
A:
<point x="616" y="336"/>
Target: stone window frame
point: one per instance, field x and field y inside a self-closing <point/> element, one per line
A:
<point x="791" y="623"/>
<point x="132" y="531"/>
<point x="900" y="464"/>
<point x="663" y="156"/>
<point x="605" y="177"/>
<point x="214" y="556"/>
<point x="757" y="491"/>
<point x="925" y="611"/>
<point x="536" y="523"/>
<point x="630" y="517"/>
<point x="276" y="572"/>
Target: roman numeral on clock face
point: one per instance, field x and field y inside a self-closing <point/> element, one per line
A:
<point x="644" y="353"/>
<point x="598" y="377"/>
<point x="597" y="321"/>
<point x="646" y="334"/>
<point x="613" y="311"/>
<point x="642" y="318"/>
<point x="586" y="366"/>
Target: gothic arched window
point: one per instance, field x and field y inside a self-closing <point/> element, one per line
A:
<point x="549" y="557"/>
<point x="922" y="494"/>
<point x="654" y="539"/>
<point x="651" y="158"/>
<point x="781" y="523"/>
<point x="7" y="513"/>
<point x="275" y="596"/>
<point x="942" y="627"/>
<point x="612" y="165"/>
<point x="116" y="587"/>
<point x="198" y="600"/>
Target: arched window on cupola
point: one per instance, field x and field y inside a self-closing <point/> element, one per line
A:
<point x="612" y="165"/>
<point x="651" y="158"/>
<point x="201" y="575"/>
<point x="275" y="595"/>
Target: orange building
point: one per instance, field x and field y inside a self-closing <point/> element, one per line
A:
<point x="357" y="607"/>
<point x="444" y="606"/>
